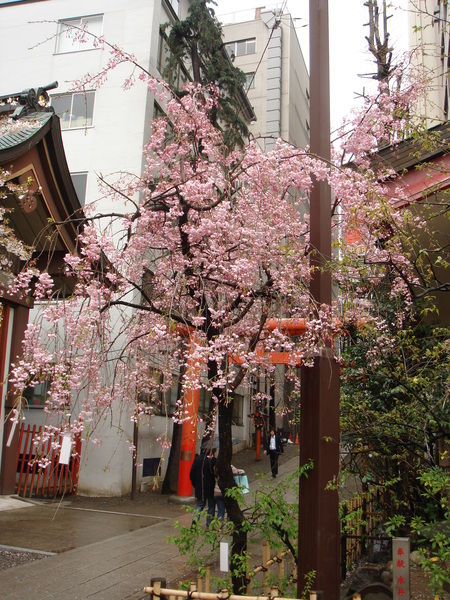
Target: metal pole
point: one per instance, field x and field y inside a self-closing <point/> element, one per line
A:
<point x="319" y="539"/>
<point x="134" y="458"/>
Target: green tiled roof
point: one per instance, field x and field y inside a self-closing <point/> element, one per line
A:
<point x="12" y="134"/>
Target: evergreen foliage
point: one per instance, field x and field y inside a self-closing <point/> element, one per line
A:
<point x="197" y="43"/>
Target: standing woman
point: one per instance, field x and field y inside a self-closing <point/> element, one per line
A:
<point x="274" y="448"/>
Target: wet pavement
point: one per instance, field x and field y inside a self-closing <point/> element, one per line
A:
<point x="57" y="526"/>
<point x="49" y="529"/>
<point x="100" y="548"/>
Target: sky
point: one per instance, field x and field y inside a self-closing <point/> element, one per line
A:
<point x="349" y="57"/>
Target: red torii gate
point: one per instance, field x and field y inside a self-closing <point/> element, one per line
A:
<point x="192" y="396"/>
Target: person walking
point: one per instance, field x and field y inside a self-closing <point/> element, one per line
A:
<point x="203" y="480"/>
<point x="274" y="448"/>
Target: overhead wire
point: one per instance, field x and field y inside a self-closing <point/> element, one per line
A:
<point x="274" y="26"/>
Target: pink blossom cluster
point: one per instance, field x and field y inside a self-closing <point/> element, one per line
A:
<point x="10" y="245"/>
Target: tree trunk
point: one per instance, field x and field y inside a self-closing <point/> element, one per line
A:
<point x="226" y="481"/>
<point x="170" y="483"/>
<point x="195" y="63"/>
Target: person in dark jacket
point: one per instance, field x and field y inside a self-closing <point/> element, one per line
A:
<point x="203" y="480"/>
<point x="274" y="448"/>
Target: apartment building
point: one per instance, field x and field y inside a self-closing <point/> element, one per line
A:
<point x="429" y="34"/>
<point x="268" y="51"/>
<point x="105" y="129"/>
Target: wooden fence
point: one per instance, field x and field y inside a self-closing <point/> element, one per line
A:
<point x="51" y="481"/>
<point x="268" y="562"/>
<point x="361" y="517"/>
<point x="272" y="566"/>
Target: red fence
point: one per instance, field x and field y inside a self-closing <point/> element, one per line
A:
<point x="55" y="479"/>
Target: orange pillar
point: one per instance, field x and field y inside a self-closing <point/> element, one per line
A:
<point x="192" y="396"/>
<point x="189" y="425"/>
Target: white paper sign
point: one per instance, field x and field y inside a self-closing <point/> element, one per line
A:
<point x="11" y="434"/>
<point x="224" y="556"/>
<point x="66" y="450"/>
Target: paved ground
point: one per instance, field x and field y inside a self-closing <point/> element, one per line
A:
<point x="61" y="525"/>
<point x="99" y="548"/>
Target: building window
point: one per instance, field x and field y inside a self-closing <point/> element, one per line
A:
<point x="163" y="52"/>
<point x="158" y="111"/>
<point x="204" y="401"/>
<point x="75" y="35"/>
<point x="75" y="110"/>
<point x="162" y="399"/>
<point x="175" y="4"/>
<point x="79" y="181"/>
<point x="237" y="412"/>
<point x="169" y="398"/>
<point x="179" y="77"/>
<point x="37" y="395"/>
<point x="241" y="48"/>
<point x="249" y="81"/>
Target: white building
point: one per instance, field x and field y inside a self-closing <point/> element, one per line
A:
<point x="104" y="133"/>
<point x="268" y="51"/>
<point x="429" y="34"/>
<point x="105" y="130"/>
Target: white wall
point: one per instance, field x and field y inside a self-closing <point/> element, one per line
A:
<point x="120" y="128"/>
<point x="425" y="35"/>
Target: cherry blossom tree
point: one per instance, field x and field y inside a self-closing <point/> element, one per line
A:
<point x="206" y="246"/>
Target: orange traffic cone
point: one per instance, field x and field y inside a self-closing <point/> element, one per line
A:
<point x="296" y="439"/>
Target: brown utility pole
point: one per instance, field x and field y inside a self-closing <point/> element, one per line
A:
<point x="319" y="531"/>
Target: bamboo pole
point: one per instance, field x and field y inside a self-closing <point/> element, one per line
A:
<point x="275" y="559"/>
<point x="266" y="560"/>
<point x="280" y="562"/>
<point x="222" y="595"/>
